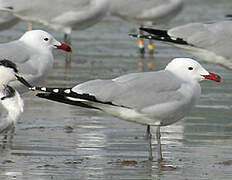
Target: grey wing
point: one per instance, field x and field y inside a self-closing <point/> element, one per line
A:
<point x="15" y="51"/>
<point x="69" y="5"/>
<point x="214" y="37"/>
<point x="122" y="6"/>
<point x="28" y="10"/>
<point x="138" y="90"/>
<point x="33" y="72"/>
<point x="161" y="11"/>
<point x="78" y="13"/>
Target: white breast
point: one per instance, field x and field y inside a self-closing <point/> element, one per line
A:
<point x="14" y="108"/>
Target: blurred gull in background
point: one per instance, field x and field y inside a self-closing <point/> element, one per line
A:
<point x="146" y="13"/>
<point x="209" y="42"/>
<point x="60" y="15"/>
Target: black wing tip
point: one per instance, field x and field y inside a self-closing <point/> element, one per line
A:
<point x="164" y="39"/>
<point x="66" y="92"/>
<point x="9" y="8"/>
<point x="156" y="32"/>
<point x="160" y="35"/>
<point x="133" y="35"/>
<point x="23" y="81"/>
<point x="52" y="90"/>
<point x="42" y="95"/>
<point x="62" y="99"/>
<point x="144" y="28"/>
<point x="9" y="64"/>
<point x="228" y="15"/>
<point x="64" y="95"/>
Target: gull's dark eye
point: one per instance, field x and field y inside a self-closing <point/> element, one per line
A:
<point x="46" y="39"/>
<point x="190" y="68"/>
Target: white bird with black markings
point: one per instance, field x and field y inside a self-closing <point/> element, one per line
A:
<point x="209" y="42"/>
<point x="11" y="104"/>
<point x="32" y="53"/>
<point x="157" y="98"/>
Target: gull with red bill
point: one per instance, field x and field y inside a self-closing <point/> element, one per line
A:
<point x="213" y="77"/>
<point x="158" y="98"/>
<point x="64" y="47"/>
<point x="32" y="53"/>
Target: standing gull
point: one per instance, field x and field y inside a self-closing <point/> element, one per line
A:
<point x="146" y="13"/>
<point x="11" y="104"/>
<point x="150" y="98"/>
<point x="208" y="42"/>
<point x="32" y="53"/>
<point x="60" y="15"/>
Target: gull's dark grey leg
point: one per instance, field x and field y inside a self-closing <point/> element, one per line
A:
<point x="30" y="26"/>
<point x="141" y="44"/>
<point x="67" y="40"/>
<point x="12" y="131"/>
<point x="5" y="137"/>
<point x="160" y="158"/>
<point x="149" y="136"/>
<point x="150" y="48"/>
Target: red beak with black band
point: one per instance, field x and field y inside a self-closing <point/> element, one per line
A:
<point x="213" y="77"/>
<point x="64" y="47"/>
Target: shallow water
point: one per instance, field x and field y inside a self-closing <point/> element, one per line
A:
<point x="56" y="141"/>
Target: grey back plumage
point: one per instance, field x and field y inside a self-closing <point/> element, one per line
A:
<point x="215" y="37"/>
<point x="137" y="90"/>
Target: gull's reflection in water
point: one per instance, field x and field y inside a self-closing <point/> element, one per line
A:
<point x="145" y="64"/>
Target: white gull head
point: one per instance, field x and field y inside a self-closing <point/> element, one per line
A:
<point x="190" y="70"/>
<point x="43" y="40"/>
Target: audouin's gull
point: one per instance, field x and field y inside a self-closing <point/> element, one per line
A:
<point x="157" y="98"/>
<point x="32" y="53"/>
<point x="146" y="13"/>
<point x="209" y="42"/>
